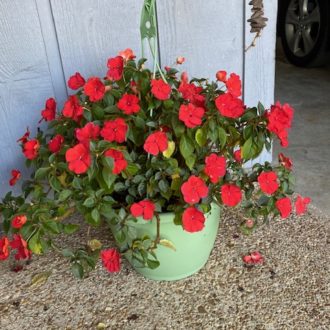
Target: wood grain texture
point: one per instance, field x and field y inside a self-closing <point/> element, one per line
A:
<point x="25" y="80"/>
<point x="209" y="36"/>
<point x="91" y="31"/>
<point x="259" y="67"/>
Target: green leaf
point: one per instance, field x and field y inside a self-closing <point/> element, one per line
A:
<point x="77" y="270"/>
<point x="190" y="161"/>
<point x="98" y="112"/>
<point x="119" y="186"/>
<point x="41" y="173"/>
<point x="87" y="115"/>
<point x="108" y="99"/>
<point x="67" y="253"/>
<point x="186" y="146"/>
<point x="96" y="216"/>
<point x="64" y="195"/>
<point x="70" y="228"/>
<point x="52" y="226"/>
<point x="55" y="183"/>
<point x="201" y="137"/>
<point x="247" y="151"/>
<point x="34" y="244"/>
<point x="108" y="176"/>
<point x="222" y="137"/>
<point x="163" y="185"/>
<point x="76" y="183"/>
<point x="132" y="169"/>
<point x="178" y="219"/>
<point x="153" y="264"/>
<point x="89" y="202"/>
<point x="120" y="236"/>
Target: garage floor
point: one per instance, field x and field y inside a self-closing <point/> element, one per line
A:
<point x="308" y="91"/>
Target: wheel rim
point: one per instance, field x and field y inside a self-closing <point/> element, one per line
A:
<point x="302" y="26"/>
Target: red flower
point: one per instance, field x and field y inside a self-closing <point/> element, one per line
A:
<point x="15" y="176"/>
<point x="231" y="194"/>
<point x="129" y="104"/>
<point x="19" y="221"/>
<point x="192" y="220"/>
<point x="78" y="158"/>
<point x="127" y="54"/>
<point x="229" y="106"/>
<point x="279" y="120"/>
<point x="238" y="155"/>
<point x="234" y="85"/>
<point x="4" y="248"/>
<point x="155" y="143"/>
<point x="192" y="93"/>
<point x="268" y="182"/>
<point x="22" y="248"/>
<point x="221" y="76"/>
<point x="25" y="137"/>
<point x="115" y="130"/>
<point x="116" y="67"/>
<point x="194" y="189"/>
<point x="76" y="81"/>
<point x="253" y="258"/>
<point x="144" y="208"/>
<point x="191" y="115"/>
<point x="284" y="206"/>
<point x="72" y="108"/>
<point x="301" y="204"/>
<point x="94" y="89"/>
<point x="160" y="89"/>
<point x="285" y="161"/>
<point x="180" y="60"/>
<point x="50" y="110"/>
<point x="87" y="133"/>
<point x="111" y="260"/>
<point x="55" y="144"/>
<point x="184" y="77"/>
<point x="120" y="163"/>
<point x="31" y="148"/>
<point x="215" y="167"/>
<point x="283" y="136"/>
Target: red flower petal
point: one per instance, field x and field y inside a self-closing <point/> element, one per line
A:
<point x="111" y="260"/>
<point x="231" y="195"/>
<point x="194" y="189"/>
<point x="268" y="182"/>
<point x="192" y="220"/>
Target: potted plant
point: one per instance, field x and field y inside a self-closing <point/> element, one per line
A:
<point x="154" y="156"/>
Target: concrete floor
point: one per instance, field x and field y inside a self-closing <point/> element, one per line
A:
<point x="308" y="91"/>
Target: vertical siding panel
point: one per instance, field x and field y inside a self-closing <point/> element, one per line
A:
<point x="89" y="32"/>
<point x="25" y="80"/>
<point x="259" y="66"/>
<point x="52" y="50"/>
<point x="208" y="33"/>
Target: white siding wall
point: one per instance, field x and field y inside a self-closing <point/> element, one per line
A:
<point x="43" y="42"/>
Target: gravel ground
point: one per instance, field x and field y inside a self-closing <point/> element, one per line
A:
<point x="290" y="291"/>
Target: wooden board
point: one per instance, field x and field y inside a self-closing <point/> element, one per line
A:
<point x="259" y="64"/>
<point x="89" y="32"/>
<point x="25" y="81"/>
<point x="209" y="34"/>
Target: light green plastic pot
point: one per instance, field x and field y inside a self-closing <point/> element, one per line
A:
<point x="192" y="249"/>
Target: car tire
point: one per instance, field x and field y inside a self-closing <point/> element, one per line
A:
<point x="305" y="31"/>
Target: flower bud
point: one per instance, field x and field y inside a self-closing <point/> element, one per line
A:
<point x="249" y="223"/>
<point x="221" y="76"/>
<point x="180" y="60"/>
